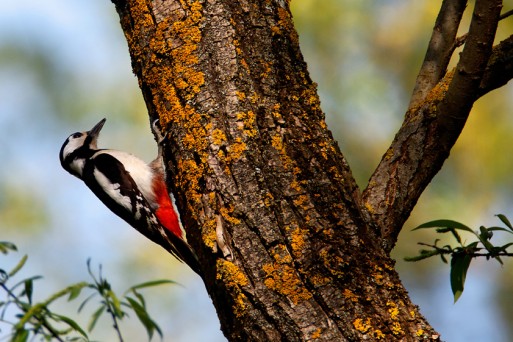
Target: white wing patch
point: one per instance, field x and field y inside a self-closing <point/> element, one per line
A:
<point x="112" y="189"/>
<point x="140" y="172"/>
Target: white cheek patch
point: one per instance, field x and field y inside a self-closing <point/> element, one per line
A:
<point x="112" y="190"/>
<point x="72" y="145"/>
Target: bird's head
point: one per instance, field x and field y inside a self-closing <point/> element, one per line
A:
<point x="78" y="147"/>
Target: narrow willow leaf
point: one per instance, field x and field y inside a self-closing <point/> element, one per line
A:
<point x="144" y="318"/>
<point x="499" y="229"/>
<point x="460" y="263"/>
<point x="94" y="318"/>
<point x="505" y="220"/>
<point x="151" y="283"/>
<point x="444" y="224"/>
<point x="29" y="287"/>
<point x="71" y="323"/>
<point x="6" y="246"/>
<point x="18" y="267"/>
<point x="75" y="290"/>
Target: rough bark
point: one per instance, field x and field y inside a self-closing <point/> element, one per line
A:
<point x="289" y="249"/>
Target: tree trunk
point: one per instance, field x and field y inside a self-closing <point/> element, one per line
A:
<point x="290" y="248"/>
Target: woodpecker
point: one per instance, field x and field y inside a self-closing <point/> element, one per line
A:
<point x="130" y="188"/>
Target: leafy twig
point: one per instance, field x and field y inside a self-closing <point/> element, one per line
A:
<point x="462" y="255"/>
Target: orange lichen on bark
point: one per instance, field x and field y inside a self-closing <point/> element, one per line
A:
<point x="234" y="279"/>
<point x="298" y="237"/>
<point x="316" y="334"/>
<point x="226" y="213"/>
<point x="365" y="327"/>
<point x="236" y="150"/>
<point x="348" y="294"/>
<point x="218" y="137"/>
<point x="361" y="325"/>
<point x="281" y="277"/>
<point x="433" y="98"/>
<point x="208" y="234"/>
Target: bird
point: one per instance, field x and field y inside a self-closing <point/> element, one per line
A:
<point x="132" y="189"/>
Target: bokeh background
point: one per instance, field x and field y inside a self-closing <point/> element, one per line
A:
<point x="64" y="65"/>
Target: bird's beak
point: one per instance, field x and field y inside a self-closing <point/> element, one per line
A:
<point x="95" y="131"/>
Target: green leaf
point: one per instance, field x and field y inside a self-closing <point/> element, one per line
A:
<point x="444" y="224"/>
<point x="94" y="318"/>
<point x="460" y="263"/>
<point x="144" y="318"/>
<point x="18" y="266"/>
<point x="506" y="246"/>
<point x="29" y="287"/>
<point x="6" y="246"/>
<point x="75" y="290"/>
<point x="86" y="301"/>
<point x="116" y="304"/>
<point x="71" y="323"/>
<point x="151" y="283"/>
<point x="505" y="220"/>
<point x="499" y="229"/>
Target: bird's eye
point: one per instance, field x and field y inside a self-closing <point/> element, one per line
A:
<point x="76" y="135"/>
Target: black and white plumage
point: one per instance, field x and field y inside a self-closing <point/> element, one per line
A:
<point x="132" y="189"/>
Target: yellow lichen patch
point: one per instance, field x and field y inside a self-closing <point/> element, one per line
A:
<point x="209" y="233"/>
<point x="240" y="95"/>
<point x="348" y="294"/>
<point x="276" y="111"/>
<point x="218" y="137"/>
<point x="226" y="214"/>
<point x="230" y="273"/>
<point x="378" y="334"/>
<point x="192" y="173"/>
<point x="316" y="334"/>
<point x="234" y="279"/>
<point x="320" y="280"/>
<point x="396" y="328"/>
<point x="393" y="310"/>
<point x="298" y="241"/>
<point x="182" y="39"/>
<point x="236" y="150"/>
<point x="267" y="69"/>
<point x="283" y="279"/>
<point x="301" y="200"/>
<point x="370" y="208"/>
<point x="268" y="199"/>
<point x="277" y="143"/>
<point x="322" y="148"/>
<point x="362" y="326"/>
<point x="412" y="314"/>
<point x="248" y="123"/>
<point x="419" y="332"/>
<point x="433" y="98"/>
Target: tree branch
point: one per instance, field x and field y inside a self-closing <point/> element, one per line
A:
<point x="440" y="49"/>
<point x="429" y="130"/>
<point x="500" y="67"/>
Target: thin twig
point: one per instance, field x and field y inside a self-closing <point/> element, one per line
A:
<point x="506" y="14"/>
